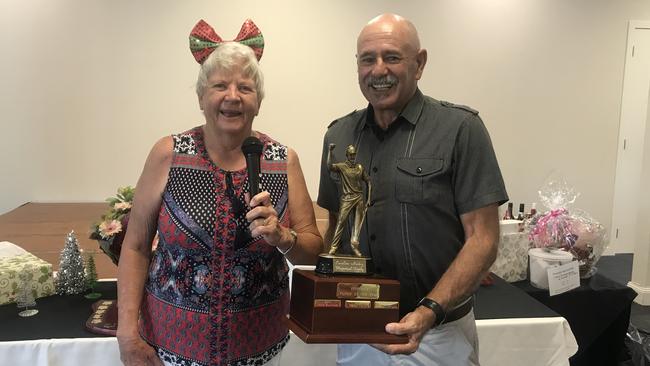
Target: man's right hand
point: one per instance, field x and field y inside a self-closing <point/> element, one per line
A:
<point x="134" y="351"/>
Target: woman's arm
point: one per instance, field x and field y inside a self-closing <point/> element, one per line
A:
<point x="136" y="252"/>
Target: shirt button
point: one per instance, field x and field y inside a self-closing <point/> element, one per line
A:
<point x="373" y="237"/>
<point x="419" y="169"/>
<point x="374" y="169"/>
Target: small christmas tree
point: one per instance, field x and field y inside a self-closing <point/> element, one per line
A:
<point x="91" y="277"/>
<point x="71" y="277"/>
<point x="26" y="297"/>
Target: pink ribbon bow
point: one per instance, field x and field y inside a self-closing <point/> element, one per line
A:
<point x="204" y="40"/>
<point x="550" y="228"/>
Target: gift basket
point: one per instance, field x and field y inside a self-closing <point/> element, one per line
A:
<point x="567" y="229"/>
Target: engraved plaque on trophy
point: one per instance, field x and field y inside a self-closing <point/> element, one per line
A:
<point x="342" y="301"/>
<point x="103" y="320"/>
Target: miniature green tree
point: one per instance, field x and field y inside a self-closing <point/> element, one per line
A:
<point x="91" y="277"/>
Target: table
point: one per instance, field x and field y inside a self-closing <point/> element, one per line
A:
<point x="56" y="335"/>
<point x="599" y="314"/>
<point x="41" y="229"/>
<point x="509" y="322"/>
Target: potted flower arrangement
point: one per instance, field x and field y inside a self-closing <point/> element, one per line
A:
<point x="110" y="231"/>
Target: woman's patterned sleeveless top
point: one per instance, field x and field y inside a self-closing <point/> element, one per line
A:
<point x="215" y="295"/>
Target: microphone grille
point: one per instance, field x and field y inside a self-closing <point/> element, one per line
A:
<point x="252" y="145"/>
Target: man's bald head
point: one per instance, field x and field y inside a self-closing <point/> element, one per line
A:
<point x="394" y="24"/>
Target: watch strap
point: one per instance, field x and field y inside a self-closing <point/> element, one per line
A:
<point x="436" y="308"/>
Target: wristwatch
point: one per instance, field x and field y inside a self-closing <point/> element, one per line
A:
<point x="436" y="308"/>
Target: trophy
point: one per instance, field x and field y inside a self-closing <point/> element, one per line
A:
<point x="354" y="203"/>
<point x="342" y="301"/>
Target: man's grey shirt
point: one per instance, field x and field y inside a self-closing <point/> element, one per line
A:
<point x="434" y="163"/>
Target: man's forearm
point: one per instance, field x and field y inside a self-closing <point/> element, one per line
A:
<point x="465" y="273"/>
<point x="473" y="261"/>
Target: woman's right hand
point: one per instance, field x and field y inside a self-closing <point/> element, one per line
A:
<point x="134" y="351"/>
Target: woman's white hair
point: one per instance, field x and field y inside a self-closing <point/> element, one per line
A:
<point x="227" y="57"/>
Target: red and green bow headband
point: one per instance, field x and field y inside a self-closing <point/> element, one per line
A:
<point x="204" y="40"/>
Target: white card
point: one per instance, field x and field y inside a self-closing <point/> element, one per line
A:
<point x="563" y="278"/>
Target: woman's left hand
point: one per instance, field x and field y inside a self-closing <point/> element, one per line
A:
<point x="264" y="220"/>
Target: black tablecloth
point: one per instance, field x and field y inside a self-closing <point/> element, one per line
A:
<point x="503" y="300"/>
<point x="64" y="316"/>
<point x="58" y="317"/>
<point x="599" y="314"/>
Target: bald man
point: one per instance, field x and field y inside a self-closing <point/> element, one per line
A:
<point x="432" y="222"/>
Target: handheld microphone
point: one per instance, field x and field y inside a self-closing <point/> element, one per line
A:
<point x="252" y="148"/>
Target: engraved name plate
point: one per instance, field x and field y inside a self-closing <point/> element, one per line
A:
<point x="386" y="305"/>
<point x="357" y="304"/>
<point x="369" y="291"/>
<point x="327" y="303"/>
<point x="349" y="265"/>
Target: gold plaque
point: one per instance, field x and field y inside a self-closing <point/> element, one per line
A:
<point x="386" y="304"/>
<point x="327" y="303"/>
<point x="349" y="265"/>
<point x="357" y="304"/>
<point x="368" y="291"/>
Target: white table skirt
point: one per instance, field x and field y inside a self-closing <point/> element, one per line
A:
<point x="503" y="342"/>
<point x="538" y="341"/>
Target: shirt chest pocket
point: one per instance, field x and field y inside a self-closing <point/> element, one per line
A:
<point x="419" y="180"/>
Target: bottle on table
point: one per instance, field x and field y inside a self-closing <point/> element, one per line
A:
<point x="508" y="213"/>
<point x="520" y="214"/>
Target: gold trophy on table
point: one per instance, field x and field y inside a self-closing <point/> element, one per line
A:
<point x="341" y="301"/>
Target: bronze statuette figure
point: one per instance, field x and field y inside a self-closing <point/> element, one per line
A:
<point x="354" y="202"/>
<point x="352" y="178"/>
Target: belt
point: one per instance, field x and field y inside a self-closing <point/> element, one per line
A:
<point x="459" y="311"/>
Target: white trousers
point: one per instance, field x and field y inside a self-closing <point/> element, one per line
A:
<point x="451" y="344"/>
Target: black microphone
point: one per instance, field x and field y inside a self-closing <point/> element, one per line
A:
<point x="252" y="148"/>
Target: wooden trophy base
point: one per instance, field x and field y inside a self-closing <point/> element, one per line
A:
<point x="343" y="309"/>
<point x="103" y="320"/>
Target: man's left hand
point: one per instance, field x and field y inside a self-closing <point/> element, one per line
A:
<point x="413" y="324"/>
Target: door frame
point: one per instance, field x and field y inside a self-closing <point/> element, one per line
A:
<point x="620" y="213"/>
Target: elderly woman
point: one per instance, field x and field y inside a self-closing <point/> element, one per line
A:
<point x="215" y="291"/>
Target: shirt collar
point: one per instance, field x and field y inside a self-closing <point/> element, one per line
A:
<point x="410" y="113"/>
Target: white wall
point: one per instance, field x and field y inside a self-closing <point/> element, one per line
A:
<point x="88" y="86"/>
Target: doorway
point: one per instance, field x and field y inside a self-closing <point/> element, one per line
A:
<point x="634" y="113"/>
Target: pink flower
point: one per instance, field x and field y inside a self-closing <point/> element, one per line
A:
<point x="122" y="206"/>
<point x="109" y="228"/>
